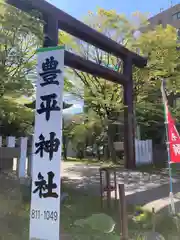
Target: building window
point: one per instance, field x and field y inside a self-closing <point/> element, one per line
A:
<point x="176" y="16"/>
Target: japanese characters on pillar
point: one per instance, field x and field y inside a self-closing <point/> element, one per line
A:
<point x="45" y="194"/>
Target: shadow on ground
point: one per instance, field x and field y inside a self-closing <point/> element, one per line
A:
<point x="141" y="188"/>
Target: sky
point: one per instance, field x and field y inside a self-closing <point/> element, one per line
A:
<point x="80" y="8"/>
<point x="77" y="105"/>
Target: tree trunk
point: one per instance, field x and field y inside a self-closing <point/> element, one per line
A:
<point x="98" y="152"/>
<point x="80" y="151"/>
<point x="106" y="152"/>
<point x="64" y="139"/>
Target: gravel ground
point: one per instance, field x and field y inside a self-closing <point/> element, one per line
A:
<point x="140" y="188"/>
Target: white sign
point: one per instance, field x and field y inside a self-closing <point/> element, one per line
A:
<point x="45" y="194"/>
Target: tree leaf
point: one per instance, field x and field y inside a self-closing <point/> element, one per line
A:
<point x="100" y="222"/>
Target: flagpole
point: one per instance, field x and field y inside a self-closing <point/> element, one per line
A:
<point x="169" y="158"/>
<point x="170" y="170"/>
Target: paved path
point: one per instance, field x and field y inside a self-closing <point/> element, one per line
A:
<point x="141" y="189"/>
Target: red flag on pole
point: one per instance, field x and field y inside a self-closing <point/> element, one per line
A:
<point x="173" y="143"/>
<point x="174" y="139"/>
<point x="173" y="135"/>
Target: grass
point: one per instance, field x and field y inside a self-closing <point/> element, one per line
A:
<point x="14" y="212"/>
<point x="79" y="206"/>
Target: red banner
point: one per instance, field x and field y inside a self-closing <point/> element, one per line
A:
<point x="174" y="139"/>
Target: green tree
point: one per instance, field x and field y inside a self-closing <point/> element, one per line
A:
<point x="104" y="98"/>
<point x="21" y="34"/>
<point x="75" y="131"/>
<point x="83" y="130"/>
<point x="160" y="46"/>
<point x="15" y="120"/>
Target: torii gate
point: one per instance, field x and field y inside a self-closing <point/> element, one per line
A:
<point x="56" y="19"/>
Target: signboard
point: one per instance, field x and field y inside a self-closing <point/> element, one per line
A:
<point x="46" y="168"/>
